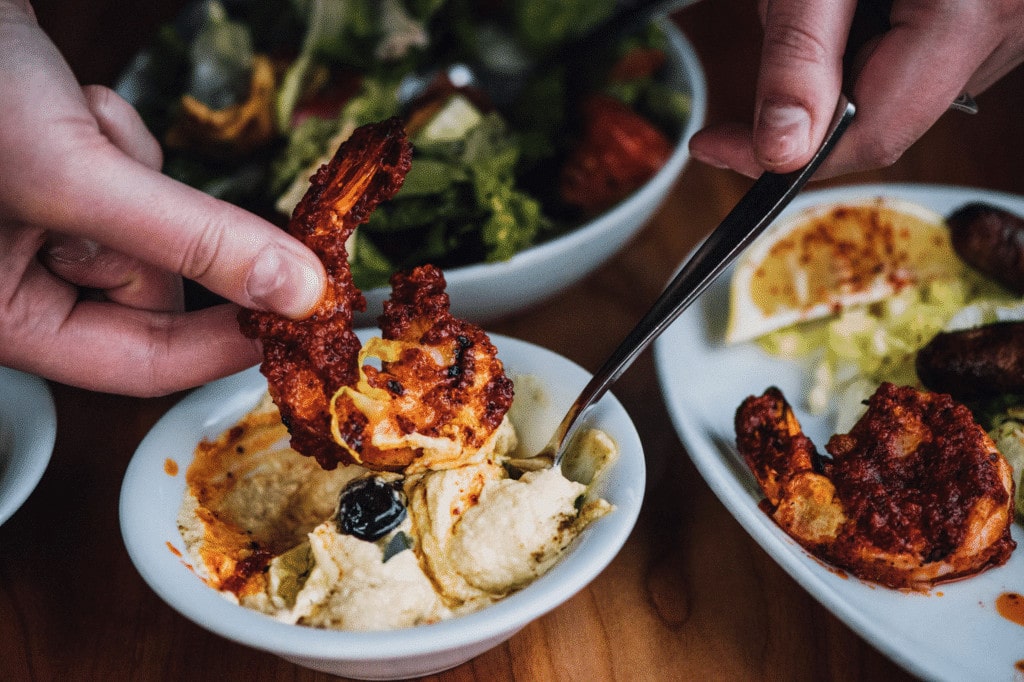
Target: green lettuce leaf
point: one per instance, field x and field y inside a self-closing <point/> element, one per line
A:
<point x="459" y="205"/>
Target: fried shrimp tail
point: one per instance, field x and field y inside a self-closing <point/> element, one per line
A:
<point x="305" y="361"/>
<point x="914" y="495"/>
<point x="438" y="391"/>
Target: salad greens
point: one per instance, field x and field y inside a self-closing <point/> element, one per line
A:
<point x="1008" y="435"/>
<point x="484" y="180"/>
<point x="456" y="186"/>
<point x="542" y="25"/>
<point x="860" y="347"/>
<point x="223" y="53"/>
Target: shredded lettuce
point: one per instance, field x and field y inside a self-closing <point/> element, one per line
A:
<point x="862" y="346"/>
<point x="1009" y="439"/>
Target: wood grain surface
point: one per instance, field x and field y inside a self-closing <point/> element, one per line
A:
<point x="690" y="597"/>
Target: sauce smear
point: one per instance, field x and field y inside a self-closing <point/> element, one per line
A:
<point x="1010" y="606"/>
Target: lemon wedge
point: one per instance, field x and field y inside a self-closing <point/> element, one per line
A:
<point x="828" y="257"/>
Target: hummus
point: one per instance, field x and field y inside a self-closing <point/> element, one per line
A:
<point x="263" y="526"/>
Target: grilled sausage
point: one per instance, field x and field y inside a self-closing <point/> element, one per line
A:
<point x="991" y="240"/>
<point x="975" y="363"/>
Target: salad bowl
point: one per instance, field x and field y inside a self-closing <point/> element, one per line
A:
<point x="484" y="199"/>
<point x="487" y="291"/>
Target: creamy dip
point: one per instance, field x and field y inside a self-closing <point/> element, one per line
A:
<point x="262" y="523"/>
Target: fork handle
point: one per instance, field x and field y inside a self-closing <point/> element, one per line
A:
<point x="762" y="203"/>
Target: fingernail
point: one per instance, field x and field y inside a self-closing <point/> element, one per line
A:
<point x="71" y="249"/>
<point x="284" y="283"/>
<point x="783" y="132"/>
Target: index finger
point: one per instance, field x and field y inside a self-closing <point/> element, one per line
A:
<point x="107" y="196"/>
<point x="63" y="171"/>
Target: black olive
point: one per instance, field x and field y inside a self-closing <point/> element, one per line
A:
<point x="370" y="508"/>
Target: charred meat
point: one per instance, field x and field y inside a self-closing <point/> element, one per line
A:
<point x="991" y="240"/>
<point x="915" y="494"/>
<point x="971" y="364"/>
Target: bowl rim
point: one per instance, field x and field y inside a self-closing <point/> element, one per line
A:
<point x="28" y="433"/>
<point x="690" y="66"/>
<point x="151" y="552"/>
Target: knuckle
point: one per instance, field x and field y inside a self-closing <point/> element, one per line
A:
<point x="789" y="41"/>
<point x="882" y="151"/>
<point x="201" y="253"/>
<point x="122" y="125"/>
<point x="99" y="97"/>
<point x="160" y="374"/>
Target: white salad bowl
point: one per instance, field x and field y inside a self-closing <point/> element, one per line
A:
<point x="154" y="483"/>
<point x="488" y="291"/>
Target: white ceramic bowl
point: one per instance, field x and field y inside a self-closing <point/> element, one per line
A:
<point x="28" y="430"/>
<point x="488" y="291"/>
<point x="151" y="496"/>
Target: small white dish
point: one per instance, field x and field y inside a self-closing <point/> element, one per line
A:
<point x="28" y="430"/>
<point x="487" y="291"/>
<point x="154" y="483"/>
<point x="953" y="632"/>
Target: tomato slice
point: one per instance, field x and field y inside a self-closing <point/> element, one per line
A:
<point x="618" y="152"/>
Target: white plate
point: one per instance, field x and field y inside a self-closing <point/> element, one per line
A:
<point x="952" y="633"/>
<point x="154" y="483"/>
<point x="28" y="429"/>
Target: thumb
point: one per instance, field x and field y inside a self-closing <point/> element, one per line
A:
<point x="799" y="80"/>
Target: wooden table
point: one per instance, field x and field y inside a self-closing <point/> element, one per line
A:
<point x="691" y="596"/>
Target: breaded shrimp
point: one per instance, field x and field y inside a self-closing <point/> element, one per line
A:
<point x="440" y="384"/>
<point x="915" y="494"/>
<point x="440" y="391"/>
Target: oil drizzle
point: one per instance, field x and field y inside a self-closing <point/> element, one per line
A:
<point x="1010" y="606"/>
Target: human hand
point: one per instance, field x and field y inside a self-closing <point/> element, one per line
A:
<point x="903" y="81"/>
<point x="94" y="240"/>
